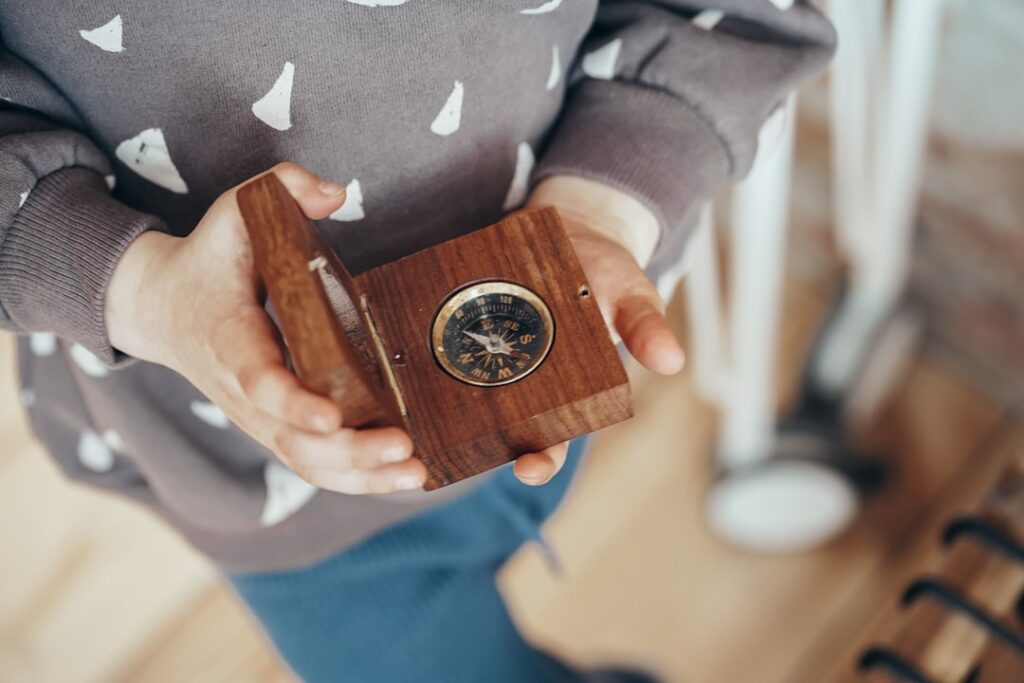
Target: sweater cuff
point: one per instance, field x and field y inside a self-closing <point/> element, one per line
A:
<point x="59" y="255"/>
<point x="642" y="141"/>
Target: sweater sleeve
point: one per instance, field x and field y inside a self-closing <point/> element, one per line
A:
<point x="61" y="231"/>
<point x="668" y="96"/>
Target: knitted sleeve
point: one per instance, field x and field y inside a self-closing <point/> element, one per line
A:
<point x="61" y="231"/>
<point x="667" y="96"/>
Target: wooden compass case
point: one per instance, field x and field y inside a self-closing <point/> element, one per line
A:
<point x="365" y="341"/>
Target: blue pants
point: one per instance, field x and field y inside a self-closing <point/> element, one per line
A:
<point x="416" y="602"/>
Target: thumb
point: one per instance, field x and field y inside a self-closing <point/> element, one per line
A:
<point x="640" y="321"/>
<point x="317" y="197"/>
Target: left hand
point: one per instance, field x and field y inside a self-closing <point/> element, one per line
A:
<point x="613" y="234"/>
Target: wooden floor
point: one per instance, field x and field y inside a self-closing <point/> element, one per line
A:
<point x="94" y="589"/>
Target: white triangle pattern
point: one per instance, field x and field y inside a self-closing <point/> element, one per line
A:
<point x="147" y="155"/>
<point x="210" y="413"/>
<point x="555" y="75"/>
<point x="708" y="19"/>
<point x="275" y="108"/>
<point x="88" y="362"/>
<point x="378" y="3"/>
<point x="93" y="453"/>
<point x="520" y="177"/>
<point x="287" y="492"/>
<point x="449" y="118"/>
<point x="42" y="343"/>
<point x="601" y="62"/>
<point x="352" y="209"/>
<point x="549" y="6"/>
<point x="107" y="37"/>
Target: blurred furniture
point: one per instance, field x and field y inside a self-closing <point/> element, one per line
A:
<point x="963" y="618"/>
<point x="792" y="488"/>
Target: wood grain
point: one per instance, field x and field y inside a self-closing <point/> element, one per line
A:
<point x="460" y="429"/>
<point x="365" y="341"/>
<point x="322" y="332"/>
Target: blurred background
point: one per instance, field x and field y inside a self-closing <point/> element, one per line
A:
<point x="666" y="565"/>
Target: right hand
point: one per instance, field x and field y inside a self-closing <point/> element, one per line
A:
<point x="193" y="305"/>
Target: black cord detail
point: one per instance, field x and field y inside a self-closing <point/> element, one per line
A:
<point x="954" y="600"/>
<point x="881" y="658"/>
<point x="985" y="532"/>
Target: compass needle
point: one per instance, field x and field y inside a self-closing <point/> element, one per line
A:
<point x="510" y="326"/>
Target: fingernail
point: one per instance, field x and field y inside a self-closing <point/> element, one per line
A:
<point x="331" y="189"/>
<point x="395" y="453"/>
<point x="408" y="482"/>
<point x="532" y="480"/>
<point x="320" y="423"/>
<point x="678" y="361"/>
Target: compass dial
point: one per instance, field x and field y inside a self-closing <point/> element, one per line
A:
<point x="492" y="333"/>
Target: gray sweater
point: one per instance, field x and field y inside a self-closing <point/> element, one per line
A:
<point x="439" y="115"/>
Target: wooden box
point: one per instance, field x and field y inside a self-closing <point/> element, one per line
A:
<point x="374" y="343"/>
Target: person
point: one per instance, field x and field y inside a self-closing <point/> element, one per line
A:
<point x="149" y="364"/>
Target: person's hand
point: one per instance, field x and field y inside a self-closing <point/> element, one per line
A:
<point x="612" y="234"/>
<point x="194" y="305"/>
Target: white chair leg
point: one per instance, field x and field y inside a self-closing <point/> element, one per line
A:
<point x="853" y="89"/>
<point x="785" y="493"/>
<point x="759" y="217"/>
<point x="706" y="350"/>
<point x="880" y="245"/>
<point x="765" y="503"/>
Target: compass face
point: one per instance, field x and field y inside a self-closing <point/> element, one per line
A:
<point x="492" y="333"/>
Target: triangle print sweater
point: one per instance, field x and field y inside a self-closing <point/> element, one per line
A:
<point x="123" y="116"/>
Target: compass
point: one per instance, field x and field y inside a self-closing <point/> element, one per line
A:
<point x="492" y="333"/>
